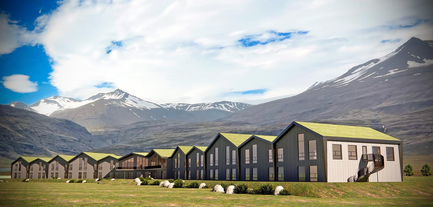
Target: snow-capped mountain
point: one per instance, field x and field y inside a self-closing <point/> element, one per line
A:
<point x="222" y="105"/>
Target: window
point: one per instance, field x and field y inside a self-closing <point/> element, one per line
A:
<point x="52" y="167"/>
<point x="247" y="173"/>
<point x="178" y="160"/>
<point x="175" y="162"/>
<point x="301" y="173"/>
<point x="201" y="174"/>
<point x="189" y="162"/>
<point x="197" y="175"/>
<point x="216" y="174"/>
<point x="43" y="175"/>
<point x="31" y="175"/>
<point x="80" y="164"/>
<point x="85" y="163"/>
<point x="100" y="175"/>
<point x="270" y="156"/>
<point x="128" y="164"/>
<point x="301" y="147"/>
<point x="70" y="175"/>
<point x="313" y="173"/>
<point x="56" y="175"/>
<point x="100" y="166"/>
<point x="254" y="173"/>
<point x="211" y="175"/>
<point x="52" y="175"/>
<point x="227" y="174"/>
<point x="189" y="174"/>
<point x="85" y="175"/>
<point x="280" y="155"/>
<point x="211" y="160"/>
<point x="336" y="151"/>
<point x="15" y="175"/>
<point x="111" y="164"/>
<point x="201" y="160"/>
<point x="364" y="153"/>
<point x="254" y="153"/>
<point x="280" y="173"/>
<point x="227" y="155"/>
<point x="390" y="154"/>
<point x="57" y="166"/>
<point x="216" y="157"/>
<point x="271" y="174"/>
<point x="153" y="160"/>
<point x="312" y="152"/>
<point x="80" y="175"/>
<point x="233" y="157"/>
<point x="247" y="156"/>
<point x="31" y="167"/>
<point x="376" y="150"/>
<point x="233" y="174"/>
<point x="352" y="152"/>
<point x="141" y="162"/>
<point x="197" y="160"/>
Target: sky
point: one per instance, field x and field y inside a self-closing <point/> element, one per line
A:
<point x="194" y="51"/>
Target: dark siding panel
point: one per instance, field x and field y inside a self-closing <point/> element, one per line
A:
<point x="262" y="164"/>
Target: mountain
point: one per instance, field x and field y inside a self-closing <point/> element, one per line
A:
<point x="24" y="132"/>
<point x="394" y="92"/>
<point x="222" y="105"/>
<point x="21" y="105"/>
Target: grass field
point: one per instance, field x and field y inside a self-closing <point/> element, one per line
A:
<point x="414" y="191"/>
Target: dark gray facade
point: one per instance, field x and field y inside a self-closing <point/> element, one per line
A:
<point x="20" y="168"/>
<point x="107" y="167"/>
<point x="83" y="166"/>
<point x="58" y="168"/>
<point x="291" y="163"/>
<point x="132" y="166"/>
<point x="38" y="169"/>
<point x="261" y="163"/>
<point x="197" y="166"/>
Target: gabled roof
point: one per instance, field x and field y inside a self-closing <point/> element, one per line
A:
<point x="97" y="156"/>
<point x="162" y="152"/>
<point x="67" y="158"/>
<point x="45" y="159"/>
<point x="144" y="154"/>
<point x="201" y="148"/>
<point x="236" y="139"/>
<point x="29" y="159"/>
<point x="185" y="149"/>
<point x="267" y="138"/>
<point x="341" y="131"/>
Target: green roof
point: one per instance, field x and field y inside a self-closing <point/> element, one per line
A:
<point x="66" y="157"/>
<point x="202" y="148"/>
<point x="100" y="156"/>
<point x="164" y="152"/>
<point x="29" y="159"/>
<point x="236" y="139"/>
<point x="46" y="159"/>
<point x="267" y="137"/>
<point x="333" y="130"/>
<point x="185" y="149"/>
<point x="140" y="153"/>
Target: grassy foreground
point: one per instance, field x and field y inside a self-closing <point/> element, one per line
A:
<point x="415" y="191"/>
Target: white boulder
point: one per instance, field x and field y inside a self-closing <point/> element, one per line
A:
<point x="58" y="178"/>
<point x="170" y="185"/>
<point x="112" y="179"/>
<point x="1" y="181"/>
<point x="218" y="189"/>
<point x="166" y="183"/>
<point x="230" y="189"/>
<point x="137" y="180"/>
<point x="84" y="181"/>
<point x="27" y="180"/>
<point x="161" y="184"/>
<point x="139" y="183"/>
<point x="67" y="181"/>
<point x="201" y="185"/>
<point x="278" y="189"/>
<point x="97" y="179"/>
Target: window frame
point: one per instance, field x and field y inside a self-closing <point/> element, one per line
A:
<point x="388" y="158"/>
<point x="310" y="145"/>
<point x="334" y="154"/>
<point x="350" y="153"/>
<point x="301" y="145"/>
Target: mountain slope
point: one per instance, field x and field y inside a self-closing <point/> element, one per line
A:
<point x="27" y="133"/>
<point x="222" y="105"/>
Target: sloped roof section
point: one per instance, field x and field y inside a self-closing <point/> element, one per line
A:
<point x="100" y="156"/>
<point x="267" y="137"/>
<point x="185" y="149"/>
<point x="201" y="148"/>
<point x="66" y="157"/>
<point x="344" y="131"/>
<point x="164" y="152"/>
<point x="236" y="139"/>
<point x="29" y="159"/>
<point x="140" y="153"/>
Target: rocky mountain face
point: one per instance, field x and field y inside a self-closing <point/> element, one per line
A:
<point x="395" y="92"/>
<point x="24" y="132"/>
<point x="119" y="108"/>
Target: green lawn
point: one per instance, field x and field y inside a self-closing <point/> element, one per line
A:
<point x="415" y="191"/>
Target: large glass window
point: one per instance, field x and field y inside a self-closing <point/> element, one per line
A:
<point x="312" y="151"/>
<point x="178" y="160"/>
<point x="271" y="174"/>
<point x="247" y="173"/>
<point x="270" y="156"/>
<point x="197" y="160"/>
<point x="301" y="147"/>
<point x="254" y="153"/>
<point x="216" y="174"/>
<point x="280" y="173"/>
<point x="376" y="150"/>
<point x="254" y="173"/>
<point x="390" y="154"/>
<point x="197" y="175"/>
<point x="336" y="151"/>
<point x="201" y="160"/>
<point x="175" y="162"/>
<point x="227" y="174"/>
<point x="233" y="157"/>
<point x="211" y="174"/>
<point x="128" y="164"/>
<point x="364" y="153"/>
<point x="313" y="173"/>
<point x="189" y="162"/>
<point x="227" y="155"/>
<point x="201" y="174"/>
<point x="211" y="160"/>
<point x="247" y="156"/>
<point x="352" y="152"/>
<point x="233" y="174"/>
<point x="216" y="156"/>
<point x="141" y="162"/>
<point x="301" y="173"/>
<point x="280" y="155"/>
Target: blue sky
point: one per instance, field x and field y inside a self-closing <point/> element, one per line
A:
<point x="194" y="51"/>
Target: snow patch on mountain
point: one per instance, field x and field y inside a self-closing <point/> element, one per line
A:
<point x="224" y="106"/>
<point x="413" y="64"/>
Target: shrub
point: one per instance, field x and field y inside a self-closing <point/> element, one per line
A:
<point x="24" y="180"/>
<point x="155" y="182"/>
<point x="425" y="170"/>
<point x="205" y="186"/>
<point x="193" y="185"/>
<point x="71" y="181"/>
<point x="266" y="189"/>
<point x="408" y="170"/>
<point x="145" y="182"/>
<point x="178" y="183"/>
<point x="170" y="180"/>
<point x="141" y="179"/>
<point x="79" y="181"/>
<point x="148" y="178"/>
<point x="241" y="189"/>
<point x="98" y="179"/>
<point x="284" y="192"/>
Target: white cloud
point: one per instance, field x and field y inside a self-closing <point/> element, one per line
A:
<point x="19" y="83"/>
<point x="189" y="51"/>
<point x="13" y="36"/>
